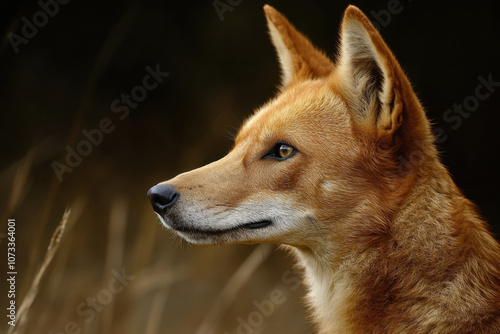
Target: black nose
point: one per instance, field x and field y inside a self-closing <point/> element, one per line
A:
<point x="162" y="197"/>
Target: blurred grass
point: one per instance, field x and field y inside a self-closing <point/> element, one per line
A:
<point x="29" y="298"/>
<point x="177" y="288"/>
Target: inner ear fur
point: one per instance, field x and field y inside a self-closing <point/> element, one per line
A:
<point x="379" y="94"/>
<point x="298" y="58"/>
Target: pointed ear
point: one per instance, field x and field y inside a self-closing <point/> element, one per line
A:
<point x="298" y="58"/>
<point x="378" y="92"/>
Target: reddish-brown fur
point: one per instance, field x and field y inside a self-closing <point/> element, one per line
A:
<point x="387" y="241"/>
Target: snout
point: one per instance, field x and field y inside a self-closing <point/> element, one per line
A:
<point x="162" y="197"/>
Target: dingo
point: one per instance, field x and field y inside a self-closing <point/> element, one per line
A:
<point x="341" y="168"/>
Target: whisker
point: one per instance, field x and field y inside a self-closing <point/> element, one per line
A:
<point x="316" y="225"/>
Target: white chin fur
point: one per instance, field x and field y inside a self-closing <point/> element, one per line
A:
<point x="162" y="221"/>
<point x="198" y="217"/>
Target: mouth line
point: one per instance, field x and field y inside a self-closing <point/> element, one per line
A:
<point x="248" y="226"/>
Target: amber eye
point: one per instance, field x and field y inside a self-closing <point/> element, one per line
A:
<point x="285" y="150"/>
<point x="281" y="151"/>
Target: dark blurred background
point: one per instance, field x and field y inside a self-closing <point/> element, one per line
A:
<point x="62" y="72"/>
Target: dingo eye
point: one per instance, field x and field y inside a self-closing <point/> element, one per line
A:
<point x="281" y="151"/>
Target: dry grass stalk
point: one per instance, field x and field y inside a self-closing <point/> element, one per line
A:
<point x="153" y="324"/>
<point x="20" y="181"/>
<point x="22" y="313"/>
<point x="114" y="252"/>
<point x="145" y="241"/>
<point x="59" y="276"/>
<point x="233" y="286"/>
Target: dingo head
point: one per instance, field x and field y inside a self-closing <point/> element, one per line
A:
<point x="320" y="162"/>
